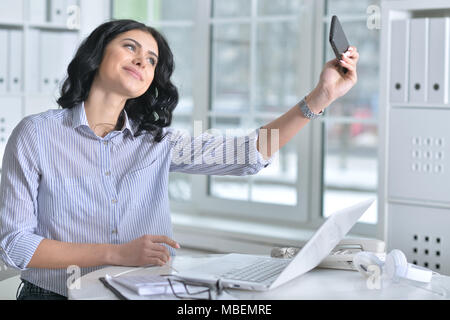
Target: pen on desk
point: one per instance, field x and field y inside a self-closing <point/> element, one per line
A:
<point x="113" y="290"/>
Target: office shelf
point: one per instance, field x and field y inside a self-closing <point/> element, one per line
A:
<point x="39" y="38"/>
<point x="414" y="114"/>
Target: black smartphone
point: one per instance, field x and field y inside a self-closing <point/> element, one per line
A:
<point x="338" y="40"/>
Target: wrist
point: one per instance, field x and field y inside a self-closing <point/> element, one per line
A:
<point x="318" y="100"/>
<point x="112" y="254"/>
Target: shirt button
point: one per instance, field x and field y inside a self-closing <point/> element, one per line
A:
<point x="114" y="200"/>
<point x="107" y="173"/>
<point x="105" y="143"/>
<point x="114" y="231"/>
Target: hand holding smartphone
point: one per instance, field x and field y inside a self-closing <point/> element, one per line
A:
<point x="338" y="40"/>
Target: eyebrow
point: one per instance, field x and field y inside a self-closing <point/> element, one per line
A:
<point x="140" y="46"/>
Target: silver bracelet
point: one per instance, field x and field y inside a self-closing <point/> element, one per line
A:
<point x="307" y="111"/>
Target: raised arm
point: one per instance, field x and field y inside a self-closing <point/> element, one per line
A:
<point x="332" y="85"/>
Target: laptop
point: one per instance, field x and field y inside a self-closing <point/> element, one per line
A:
<point x="261" y="273"/>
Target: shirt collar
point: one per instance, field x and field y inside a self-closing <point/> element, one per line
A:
<point x="79" y="119"/>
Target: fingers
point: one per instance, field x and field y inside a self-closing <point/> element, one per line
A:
<point x="166" y="240"/>
<point x="158" y="256"/>
<point x="148" y="250"/>
<point x="160" y="249"/>
<point x="352" y="53"/>
<point x="351" y="56"/>
<point x="154" y="261"/>
<point x="345" y="64"/>
<point x="154" y="253"/>
<point x="349" y="60"/>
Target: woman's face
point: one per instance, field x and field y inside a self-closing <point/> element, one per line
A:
<point x="129" y="63"/>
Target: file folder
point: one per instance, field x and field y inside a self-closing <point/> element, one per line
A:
<point x="3" y="61"/>
<point x="47" y="56"/>
<point x="399" y="52"/>
<point x="68" y="42"/>
<point x="11" y="10"/>
<point x="438" y="60"/>
<point x="57" y="12"/>
<point x="418" y="60"/>
<point x="56" y="51"/>
<point x="32" y="61"/>
<point x="38" y="11"/>
<point x="15" y="61"/>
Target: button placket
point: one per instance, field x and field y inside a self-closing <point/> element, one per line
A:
<point x="107" y="173"/>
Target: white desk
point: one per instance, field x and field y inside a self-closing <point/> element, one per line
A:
<point x="321" y="284"/>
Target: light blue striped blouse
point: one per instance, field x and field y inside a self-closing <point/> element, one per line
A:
<point x="61" y="181"/>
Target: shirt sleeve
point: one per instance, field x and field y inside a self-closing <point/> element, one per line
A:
<point x="216" y="154"/>
<point x="18" y="197"/>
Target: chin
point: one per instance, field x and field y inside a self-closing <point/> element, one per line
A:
<point x="131" y="92"/>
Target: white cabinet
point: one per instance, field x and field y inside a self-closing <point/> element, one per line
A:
<point x="414" y="155"/>
<point x="423" y="237"/>
<point x="418" y="156"/>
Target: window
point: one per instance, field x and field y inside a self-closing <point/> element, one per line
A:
<point x="255" y="48"/>
<point x="350" y="130"/>
<point x="255" y="62"/>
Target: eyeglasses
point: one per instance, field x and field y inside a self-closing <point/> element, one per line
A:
<point x="179" y="288"/>
<point x="184" y="289"/>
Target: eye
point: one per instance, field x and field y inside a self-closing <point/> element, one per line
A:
<point x="130" y="46"/>
<point x="152" y="61"/>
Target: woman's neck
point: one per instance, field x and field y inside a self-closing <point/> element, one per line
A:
<point x="103" y="110"/>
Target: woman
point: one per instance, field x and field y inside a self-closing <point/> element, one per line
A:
<point x="87" y="185"/>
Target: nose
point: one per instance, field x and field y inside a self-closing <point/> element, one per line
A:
<point x="139" y="60"/>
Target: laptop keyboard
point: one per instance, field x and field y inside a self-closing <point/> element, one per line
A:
<point x="263" y="270"/>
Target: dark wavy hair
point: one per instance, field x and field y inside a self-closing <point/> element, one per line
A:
<point x="161" y="97"/>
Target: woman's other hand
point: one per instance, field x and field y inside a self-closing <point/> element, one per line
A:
<point x="146" y="250"/>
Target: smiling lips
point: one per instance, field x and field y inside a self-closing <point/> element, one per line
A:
<point x="134" y="73"/>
